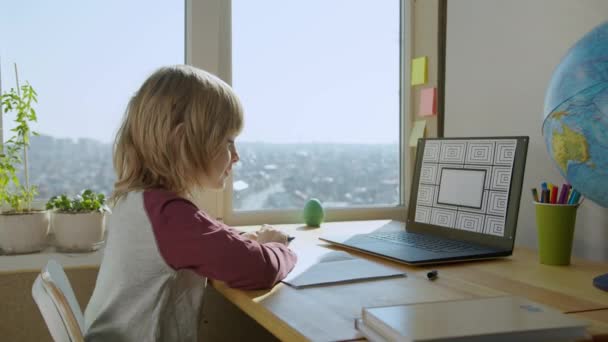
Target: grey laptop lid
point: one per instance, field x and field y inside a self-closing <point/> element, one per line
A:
<point x="468" y="189"/>
<point x="464" y="191"/>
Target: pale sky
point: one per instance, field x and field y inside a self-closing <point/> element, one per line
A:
<point x="306" y="71"/>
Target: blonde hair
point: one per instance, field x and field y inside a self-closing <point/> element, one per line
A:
<point x="174" y="126"/>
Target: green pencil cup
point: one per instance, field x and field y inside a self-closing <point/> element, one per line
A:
<point x="555" y="224"/>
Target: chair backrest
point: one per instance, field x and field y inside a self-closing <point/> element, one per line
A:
<point x="49" y="312"/>
<point x="57" y="303"/>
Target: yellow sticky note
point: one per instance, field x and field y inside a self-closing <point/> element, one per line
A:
<point x="417" y="132"/>
<point x="419" y="71"/>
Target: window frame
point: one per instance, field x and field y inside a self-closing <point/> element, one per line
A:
<point x="209" y="46"/>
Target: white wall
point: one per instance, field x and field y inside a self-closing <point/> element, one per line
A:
<point x="500" y="57"/>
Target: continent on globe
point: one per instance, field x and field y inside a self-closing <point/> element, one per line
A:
<point x="569" y="146"/>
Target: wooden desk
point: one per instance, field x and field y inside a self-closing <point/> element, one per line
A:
<point x="327" y="313"/>
<point x="599" y="323"/>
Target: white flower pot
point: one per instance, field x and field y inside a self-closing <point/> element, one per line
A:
<point x="23" y="233"/>
<point x="80" y="232"/>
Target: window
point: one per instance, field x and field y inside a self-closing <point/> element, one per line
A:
<point x="84" y="59"/>
<point x="320" y="84"/>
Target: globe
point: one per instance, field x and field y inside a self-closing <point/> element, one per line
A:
<point x="575" y="126"/>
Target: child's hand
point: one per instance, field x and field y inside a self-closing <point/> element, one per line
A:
<point x="251" y="235"/>
<point x="270" y="234"/>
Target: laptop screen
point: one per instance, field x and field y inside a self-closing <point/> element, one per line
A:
<point x="467" y="185"/>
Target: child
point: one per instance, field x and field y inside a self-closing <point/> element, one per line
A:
<point x="177" y="136"/>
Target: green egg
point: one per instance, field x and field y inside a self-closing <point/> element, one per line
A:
<point x="313" y="213"/>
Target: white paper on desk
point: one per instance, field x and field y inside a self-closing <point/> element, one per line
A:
<point x="340" y="267"/>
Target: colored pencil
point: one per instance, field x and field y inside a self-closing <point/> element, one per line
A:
<point x="562" y="195"/>
<point x="535" y="195"/>
<point x="553" y="194"/>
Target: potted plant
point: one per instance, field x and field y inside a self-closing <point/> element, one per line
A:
<point x="79" y="222"/>
<point x="22" y="228"/>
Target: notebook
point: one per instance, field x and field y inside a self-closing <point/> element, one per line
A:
<point x="339" y="267"/>
<point x="496" y="319"/>
<point x="464" y="202"/>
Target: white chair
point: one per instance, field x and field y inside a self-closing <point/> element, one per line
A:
<point x="57" y="304"/>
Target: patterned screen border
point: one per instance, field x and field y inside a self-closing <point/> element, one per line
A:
<point x="494" y="156"/>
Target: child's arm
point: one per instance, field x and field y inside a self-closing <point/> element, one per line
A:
<point x="187" y="239"/>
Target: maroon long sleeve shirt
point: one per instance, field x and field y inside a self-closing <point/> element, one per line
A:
<point x="188" y="238"/>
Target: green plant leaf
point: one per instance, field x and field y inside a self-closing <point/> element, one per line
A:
<point x="87" y="201"/>
<point x="21" y="106"/>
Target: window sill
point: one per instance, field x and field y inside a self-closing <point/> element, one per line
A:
<point x="34" y="262"/>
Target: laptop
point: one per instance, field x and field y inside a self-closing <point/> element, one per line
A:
<point x="464" y="203"/>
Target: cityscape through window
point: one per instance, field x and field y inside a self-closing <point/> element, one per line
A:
<point x="319" y="81"/>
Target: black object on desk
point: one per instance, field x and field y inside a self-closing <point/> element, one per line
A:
<point x="601" y="282"/>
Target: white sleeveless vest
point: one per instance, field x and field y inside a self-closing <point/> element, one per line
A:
<point x="138" y="297"/>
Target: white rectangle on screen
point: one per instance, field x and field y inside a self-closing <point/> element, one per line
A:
<point x="462" y="187"/>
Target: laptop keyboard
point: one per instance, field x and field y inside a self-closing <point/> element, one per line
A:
<point x="427" y="242"/>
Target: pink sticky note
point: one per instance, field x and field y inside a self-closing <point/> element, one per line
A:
<point x="428" y="103"/>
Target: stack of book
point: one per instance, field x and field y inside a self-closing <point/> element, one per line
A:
<point x="493" y="319"/>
